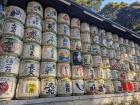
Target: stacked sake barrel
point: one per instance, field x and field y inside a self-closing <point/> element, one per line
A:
<point x="10" y="50"/>
<point x="76" y="57"/>
<point x="63" y="65"/>
<point x="2" y="17"/>
<point x="28" y="83"/>
<point x="115" y="65"/>
<point x="49" y="54"/>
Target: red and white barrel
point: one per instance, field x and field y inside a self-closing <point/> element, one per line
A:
<point x="99" y="73"/>
<point x="88" y="72"/>
<point x="50" y="12"/>
<point x="90" y="87"/>
<point x="115" y="74"/>
<point x="63" y="70"/>
<point x="106" y="63"/>
<point x="75" y="45"/>
<point x="95" y="50"/>
<point x="9" y="65"/>
<point x="34" y="21"/>
<point x="35" y="8"/>
<point x="8" y="85"/>
<point x="28" y="88"/>
<point x="63" y="55"/>
<point x="77" y="72"/>
<point x="49" y="53"/>
<point x="77" y="87"/>
<point x="85" y="37"/>
<point x="63" y="18"/>
<point x="16" y="13"/>
<point x="32" y="35"/>
<point x="29" y="68"/>
<point x="11" y="45"/>
<point x="75" y="33"/>
<point x="97" y="61"/>
<point x="63" y="29"/>
<point x="49" y="38"/>
<point x="13" y="27"/>
<point x="118" y="86"/>
<point x="48" y="69"/>
<point x="85" y="27"/>
<point x="115" y="38"/>
<point x="114" y="64"/>
<point x="75" y="23"/>
<point x="63" y="42"/>
<point x="64" y="87"/>
<point x="50" y="25"/>
<point x="48" y="87"/>
<point x="86" y="48"/>
<point x="31" y="51"/>
<point x="93" y="30"/>
<point x="87" y="59"/>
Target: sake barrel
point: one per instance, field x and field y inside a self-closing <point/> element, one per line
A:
<point x="118" y="86"/>
<point x="16" y="13"/>
<point x="116" y="46"/>
<point x="49" y="53"/>
<point x="136" y="86"/>
<point x="63" y="70"/>
<point x="64" y="87"/>
<point x="63" y="42"/>
<point x="77" y="87"/>
<point x="50" y="12"/>
<point x="102" y="33"/>
<point x="122" y="75"/>
<point x="115" y="74"/>
<point x="8" y="85"/>
<point x="31" y="51"/>
<point x="101" y="86"/>
<point x="136" y="45"/>
<point x="75" y="23"/>
<point x="124" y="57"/>
<point x="10" y="45"/>
<point x="86" y="48"/>
<point x="137" y="67"/>
<point x="63" y="29"/>
<point x="85" y="27"/>
<point x="28" y="88"/>
<point x="50" y="25"/>
<point x="109" y="36"/>
<point x="104" y="52"/>
<point x="29" y="68"/>
<point x="63" y="18"/>
<point x="88" y="72"/>
<point x="121" y="41"/>
<point x="87" y="59"/>
<point x="13" y="27"/>
<point x="131" y="75"/>
<point x="90" y="87"/>
<point x="95" y="50"/>
<point x="49" y="38"/>
<point x="131" y="44"/>
<point x="106" y="63"/>
<point x="126" y="42"/>
<point x="109" y="87"/>
<point x="96" y="39"/>
<point x="63" y="55"/>
<point x="34" y="21"/>
<point x="35" y="8"/>
<point x="77" y="58"/>
<point x="94" y="30"/>
<point x="103" y="42"/>
<point x="99" y="73"/>
<point x="32" y="35"/>
<point x="75" y="33"/>
<point x="112" y="53"/>
<point x="75" y="45"/>
<point x="123" y="49"/>
<point x="85" y="37"/>
<point x="108" y="75"/>
<point x="97" y="61"/>
<point x="114" y="64"/>
<point x="48" y="69"/>
<point x="9" y="65"/>
<point x="77" y="72"/>
<point x="110" y="44"/>
<point x="125" y="66"/>
<point x="115" y="38"/>
<point x="48" y="87"/>
<point x="133" y="51"/>
<point x="118" y="54"/>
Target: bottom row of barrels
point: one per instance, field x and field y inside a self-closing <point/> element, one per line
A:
<point x="31" y="87"/>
